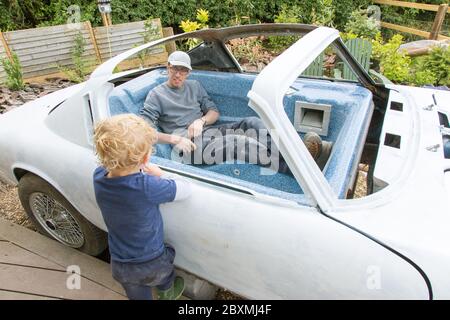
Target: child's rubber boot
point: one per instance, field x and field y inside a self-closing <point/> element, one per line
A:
<point x="174" y="292"/>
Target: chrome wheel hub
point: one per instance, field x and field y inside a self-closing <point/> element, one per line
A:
<point x="56" y="220"/>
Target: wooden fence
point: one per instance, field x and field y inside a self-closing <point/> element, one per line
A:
<point x="440" y="10"/>
<point x="2" y="56"/>
<point x="44" y="51"/>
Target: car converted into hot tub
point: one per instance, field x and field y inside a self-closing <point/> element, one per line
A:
<point x="261" y="234"/>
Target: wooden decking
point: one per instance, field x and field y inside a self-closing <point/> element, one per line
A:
<point x="35" y="267"/>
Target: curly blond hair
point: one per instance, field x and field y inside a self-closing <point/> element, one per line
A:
<point x="122" y="141"/>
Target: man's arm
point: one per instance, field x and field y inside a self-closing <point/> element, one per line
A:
<point x="195" y="128"/>
<point x="180" y="142"/>
<point x="210" y="117"/>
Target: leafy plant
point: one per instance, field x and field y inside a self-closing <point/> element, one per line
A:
<point x="203" y="17"/>
<point x="15" y="14"/>
<point x="13" y="69"/>
<point x="324" y="14"/>
<point x="80" y="68"/>
<point x="393" y="64"/>
<point x="151" y="32"/>
<point x="286" y="15"/>
<point x="361" y="25"/>
<point x="399" y="67"/>
<point x="438" y="62"/>
<point x="189" y="26"/>
<point x="423" y="77"/>
<point x="250" y="53"/>
<point x="348" y="36"/>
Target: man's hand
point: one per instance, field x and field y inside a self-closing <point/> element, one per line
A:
<point x="196" y="128"/>
<point x="186" y="145"/>
<point x="153" y="170"/>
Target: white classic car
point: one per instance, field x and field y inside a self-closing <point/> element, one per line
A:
<point x="260" y="235"/>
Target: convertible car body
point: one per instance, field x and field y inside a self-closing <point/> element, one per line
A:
<point x="264" y="235"/>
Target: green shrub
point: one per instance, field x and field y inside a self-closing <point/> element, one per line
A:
<point x="286" y="15"/>
<point x="393" y="64"/>
<point x="361" y="25"/>
<point x="323" y="14"/>
<point x="152" y="31"/>
<point x="438" y="62"/>
<point x="399" y="67"/>
<point x="423" y="77"/>
<point x="13" y="69"/>
<point x="250" y="53"/>
<point x="189" y="26"/>
<point x="30" y="13"/>
<point x="344" y="8"/>
<point x="80" y="68"/>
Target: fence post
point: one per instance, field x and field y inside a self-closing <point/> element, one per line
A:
<point x="94" y="40"/>
<point x="5" y="45"/>
<point x="170" y="46"/>
<point x="438" y="20"/>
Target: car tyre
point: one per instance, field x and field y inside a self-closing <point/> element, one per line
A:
<point x="56" y="218"/>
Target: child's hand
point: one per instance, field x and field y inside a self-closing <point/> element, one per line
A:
<point x="153" y="170"/>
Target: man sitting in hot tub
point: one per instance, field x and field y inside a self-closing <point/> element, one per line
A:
<point x="186" y="117"/>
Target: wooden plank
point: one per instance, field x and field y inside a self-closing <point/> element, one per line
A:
<point x="46" y="42"/>
<point x="126" y="43"/>
<point x="119" y="33"/>
<point x="115" y="37"/>
<point x="421" y="33"/>
<point x="94" y="41"/>
<point x="11" y="295"/>
<point x="12" y="254"/>
<point x="46" y="31"/>
<point x="57" y="51"/>
<point x="122" y="26"/>
<point x="41" y="69"/>
<point x="105" y="19"/>
<point x="53" y="63"/>
<point x="170" y="46"/>
<point x="115" y="51"/>
<point x="56" y="252"/>
<point x="46" y="57"/>
<point x="131" y="40"/>
<point x="105" y="55"/>
<point x="51" y="283"/>
<point x="2" y="56"/>
<point x="43" y="39"/>
<point x="405" y="4"/>
<point x="5" y="46"/>
<point x="438" y="21"/>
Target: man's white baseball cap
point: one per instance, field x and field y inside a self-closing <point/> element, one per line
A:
<point x="180" y="58"/>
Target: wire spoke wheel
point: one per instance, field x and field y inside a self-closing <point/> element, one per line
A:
<point x="56" y="220"/>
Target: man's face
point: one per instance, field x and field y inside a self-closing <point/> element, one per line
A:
<point x="177" y="75"/>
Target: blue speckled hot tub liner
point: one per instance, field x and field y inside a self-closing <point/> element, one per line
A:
<point x="350" y="117"/>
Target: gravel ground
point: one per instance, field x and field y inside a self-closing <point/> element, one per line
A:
<point x="10" y="207"/>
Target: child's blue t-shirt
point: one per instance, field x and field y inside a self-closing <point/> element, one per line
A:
<point x="130" y="208"/>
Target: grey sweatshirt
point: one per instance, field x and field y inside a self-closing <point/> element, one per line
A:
<point x="173" y="109"/>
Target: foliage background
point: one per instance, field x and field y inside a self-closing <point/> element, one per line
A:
<point x="22" y="14"/>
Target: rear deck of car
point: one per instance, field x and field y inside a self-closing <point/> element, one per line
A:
<point x="349" y="121"/>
